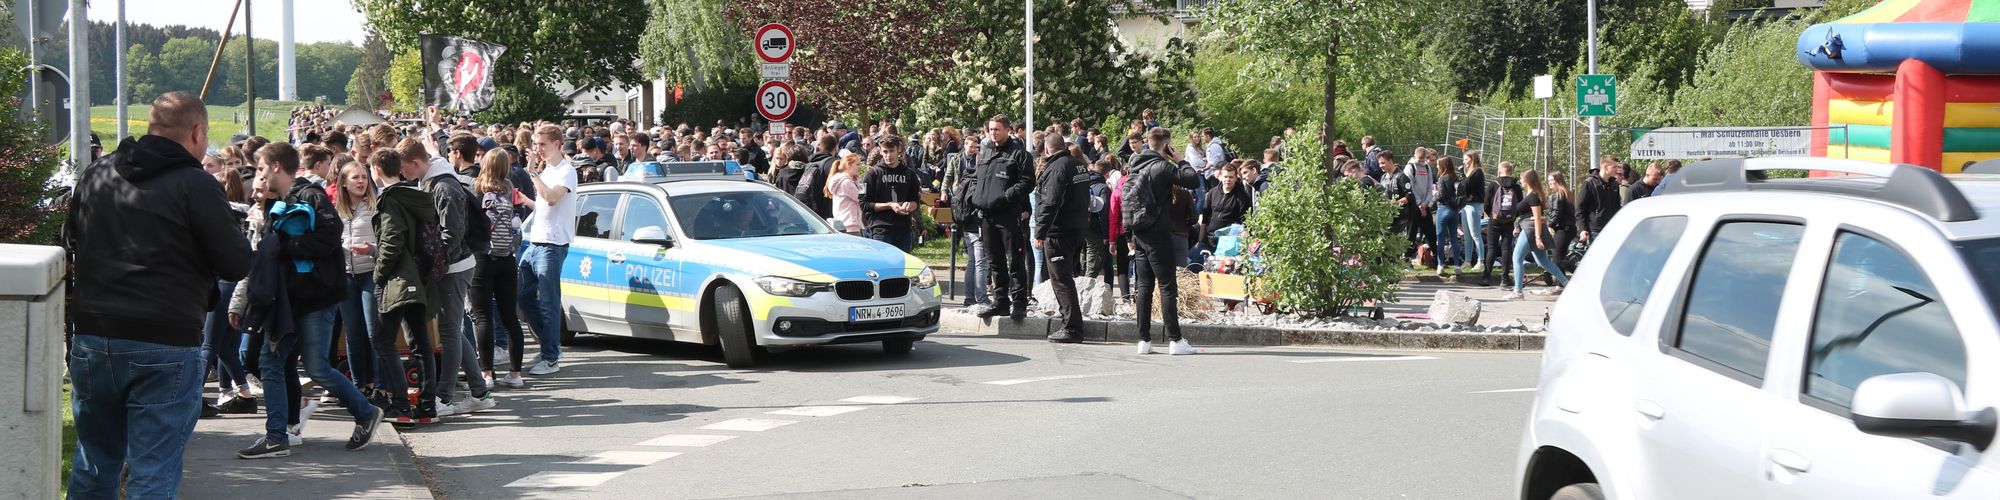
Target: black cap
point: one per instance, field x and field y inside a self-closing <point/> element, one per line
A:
<point x="94" y="142"/>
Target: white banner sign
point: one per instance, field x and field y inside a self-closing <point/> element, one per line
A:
<point x="1681" y="143"/>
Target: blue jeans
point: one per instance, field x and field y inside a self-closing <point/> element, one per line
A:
<point x="135" y="405"/>
<point x="541" y="295"/>
<point x="975" y="269"/>
<point x="1524" y="245"/>
<point x="1446" y="220"/>
<point x="312" y="331"/>
<point x="901" y="239"/>
<point x="1475" y="245"/>
<point x="222" y="343"/>
<point x="360" y="322"/>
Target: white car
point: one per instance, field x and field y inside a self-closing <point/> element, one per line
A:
<point x="701" y="255"/>
<point x="1748" y="338"/>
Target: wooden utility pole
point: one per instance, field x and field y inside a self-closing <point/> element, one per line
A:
<point x="212" y="63"/>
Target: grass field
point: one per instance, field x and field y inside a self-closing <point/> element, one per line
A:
<point x="223" y="121"/>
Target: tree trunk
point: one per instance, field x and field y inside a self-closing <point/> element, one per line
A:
<point x="1326" y="127"/>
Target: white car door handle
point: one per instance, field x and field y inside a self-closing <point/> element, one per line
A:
<point x="1791" y="461"/>
<point x="615" y="257"/>
<point x="1651" y="409"/>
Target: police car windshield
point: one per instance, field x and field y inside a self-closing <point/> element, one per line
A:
<point x="1983" y="256"/>
<point x="743" y="214"/>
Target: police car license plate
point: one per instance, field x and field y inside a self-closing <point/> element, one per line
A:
<point x="873" y="313"/>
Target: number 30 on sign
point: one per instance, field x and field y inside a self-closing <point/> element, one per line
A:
<point x="775" y="100"/>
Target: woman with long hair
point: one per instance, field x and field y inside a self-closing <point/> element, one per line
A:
<point x="1535" y="240"/>
<point x="1563" y="220"/>
<point x="1472" y="191"/>
<point x="1445" y="204"/>
<point x="495" y="277"/>
<point x="844" y="188"/>
<point x="359" y="320"/>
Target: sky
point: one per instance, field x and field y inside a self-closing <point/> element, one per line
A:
<point x="313" y="20"/>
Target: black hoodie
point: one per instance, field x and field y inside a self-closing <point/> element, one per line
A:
<point x="151" y="234"/>
<point x="811" y="188"/>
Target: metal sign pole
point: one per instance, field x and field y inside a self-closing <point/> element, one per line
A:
<point x="79" y="85"/>
<point x="118" y="53"/>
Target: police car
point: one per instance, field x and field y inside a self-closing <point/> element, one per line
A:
<point x="695" y="253"/>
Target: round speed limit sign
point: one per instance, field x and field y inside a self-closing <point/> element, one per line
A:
<point x="776" y="100"/>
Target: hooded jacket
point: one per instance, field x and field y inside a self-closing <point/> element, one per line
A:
<point x="402" y="211"/>
<point x="1064" y="195"/>
<point x="1158" y="177"/>
<point x="811" y="188"/>
<point x="450" y="198"/>
<point x="150" y="233"/>
<point x="1002" y="180"/>
<point x="1494" y="208"/>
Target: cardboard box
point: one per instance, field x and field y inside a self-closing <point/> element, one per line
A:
<point x="1225" y="286"/>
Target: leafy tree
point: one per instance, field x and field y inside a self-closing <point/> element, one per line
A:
<point x="1505" y="43"/>
<point x="1238" y="96"/>
<point x="366" y="83"/>
<point x="1751" y="78"/>
<point x="34" y="211"/>
<point x="587" y="43"/>
<point x="141" y="67"/>
<point x="324" y="68"/>
<point x="1082" y="70"/>
<point x="861" y="57"/>
<point x="1326" y="246"/>
<point x="1361" y="40"/>
<point x="517" y="98"/>
<point x="696" y="42"/>
<point x="406" y="80"/>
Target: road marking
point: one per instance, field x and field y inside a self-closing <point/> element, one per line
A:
<point x="1355" y="359"/>
<point x="687" y="440"/>
<point x="748" y="424"/>
<point x="1499" y="391"/>
<point x="628" y="457"/>
<point x="879" y="400"/>
<point x="1017" y="381"/>
<point x="818" y="411"/>
<point x="563" y="480"/>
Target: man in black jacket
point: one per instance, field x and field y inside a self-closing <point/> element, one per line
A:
<point x="810" y="188"/>
<point x="150" y="233"/>
<point x="312" y="270"/>
<point x="1599" y="200"/>
<point x="999" y="190"/>
<point x="1147" y="213"/>
<point x="1062" y="218"/>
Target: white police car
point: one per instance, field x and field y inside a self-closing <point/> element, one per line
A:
<point x="1804" y="338"/>
<point x="700" y="255"/>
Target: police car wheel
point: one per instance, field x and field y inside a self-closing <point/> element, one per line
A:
<point x="732" y="325"/>
<point x="565" y="336"/>
<point x="898" y="347"/>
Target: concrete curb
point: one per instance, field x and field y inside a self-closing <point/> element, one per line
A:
<point x="414" y="487"/>
<point x="1033" y="327"/>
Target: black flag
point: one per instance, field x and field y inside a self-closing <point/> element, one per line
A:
<point x="458" y="73"/>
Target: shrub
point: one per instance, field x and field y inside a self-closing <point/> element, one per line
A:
<point x="32" y="207"/>
<point x="1325" y="248"/>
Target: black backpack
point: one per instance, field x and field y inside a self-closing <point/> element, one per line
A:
<point x="1100" y="208"/>
<point x="1142" y="210"/>
<point x="431" y="259"/>
<point x="1507" y="204"/>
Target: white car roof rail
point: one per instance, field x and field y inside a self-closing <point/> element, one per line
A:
<point x="1909" y="186"/>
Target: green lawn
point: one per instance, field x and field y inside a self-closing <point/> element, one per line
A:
<point x="936" y="251"/>
<point x="223" y="121"/>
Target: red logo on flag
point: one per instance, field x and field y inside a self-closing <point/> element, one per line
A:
<point x="471" y="73"/>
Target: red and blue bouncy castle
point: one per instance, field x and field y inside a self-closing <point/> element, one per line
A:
<point x="1912" y="81"/>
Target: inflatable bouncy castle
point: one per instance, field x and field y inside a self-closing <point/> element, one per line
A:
<point x="1911" y="81"/>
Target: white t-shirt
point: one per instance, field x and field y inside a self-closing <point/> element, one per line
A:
<point x="555" y="225"/>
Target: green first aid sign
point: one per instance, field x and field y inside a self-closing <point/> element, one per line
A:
<point x="1596" y="95"/>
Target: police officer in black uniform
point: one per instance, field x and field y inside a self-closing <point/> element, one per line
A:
<point x="1062" y="218"/>
<point x="999" y="191"/>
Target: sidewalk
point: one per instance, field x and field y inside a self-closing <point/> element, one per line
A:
<point x="321" y="468"/>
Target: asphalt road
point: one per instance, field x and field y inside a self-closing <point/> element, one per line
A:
<point x="981" y="417"/>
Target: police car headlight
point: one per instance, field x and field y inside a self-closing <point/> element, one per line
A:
<point x="925" y="279"/>
<point x="787" y="287"/>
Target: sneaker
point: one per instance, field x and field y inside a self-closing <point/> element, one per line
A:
<point x="1019" y="311"/>
<point x="210" y="410"/>
<point x="1145" y="347"/>
<point x="256" y="386"/>
<point x="992" y="310"/>
<point x="460" y="407"/>
<point x="1511" y="296"/>
<point x="511" y="380"/>
<point x="294" y="438"/>
<point x="305" y="414"/>
<point x="426" y="412"/>
<point x="364" y="431"/>
<point x="265" y="449"/>
<point x="500" y="353"/>
<point x="239" y="405"/>
<point x="482" y="403"/>
<point x="400" y="416"/>
<point x="1064" y="337"/>
<point x="544" y="367"/>
<point x="1557" y="291"/>
<point x="1180" y="347"/>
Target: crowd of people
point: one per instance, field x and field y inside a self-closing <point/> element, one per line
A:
<point x="426" y="244"/>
